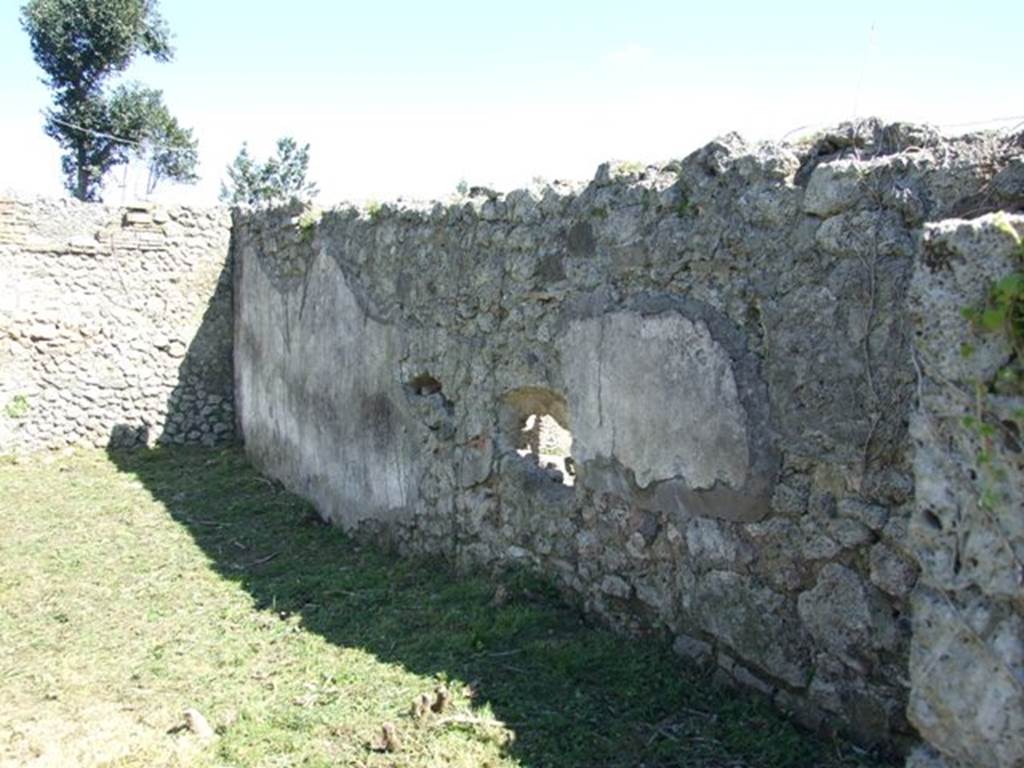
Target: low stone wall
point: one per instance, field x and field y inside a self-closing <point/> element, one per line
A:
<point x="115" y="325"/>
<point x="727" y="338"/>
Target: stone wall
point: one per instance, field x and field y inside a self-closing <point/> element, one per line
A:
<point x="728" y="339"/>
<point x="115" y="325"/>
<point x="789" y="448"/>
<point x="967" y="650"/>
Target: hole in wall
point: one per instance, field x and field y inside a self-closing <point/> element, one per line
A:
<point x="548" y="443"/>
<point x="931" y="519"/>
<point x="424" y="384"/>
<point x="535" y="421"/>
<point x="425" y="394"/>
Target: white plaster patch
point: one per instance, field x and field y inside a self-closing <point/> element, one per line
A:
<point x="658" y="394"/>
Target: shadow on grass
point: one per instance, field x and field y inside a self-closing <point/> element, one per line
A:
<point x="574" y="695"/>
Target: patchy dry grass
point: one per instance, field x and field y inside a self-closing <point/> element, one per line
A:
<point x="135" y="586"/>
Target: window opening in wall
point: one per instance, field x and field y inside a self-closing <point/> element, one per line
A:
<point x="548" y="443"/>
<point x="535" y="423"/>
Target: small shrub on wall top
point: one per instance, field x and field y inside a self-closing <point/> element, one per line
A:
<point x="278" y="181"/>
<point x="17" y="408"/>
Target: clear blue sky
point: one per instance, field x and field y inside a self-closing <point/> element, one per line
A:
<point x="410" y="97"/>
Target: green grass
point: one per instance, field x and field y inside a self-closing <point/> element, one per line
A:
<point x="136" y="585"/>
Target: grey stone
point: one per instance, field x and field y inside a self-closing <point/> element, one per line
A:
<point x="475" y="463"/>
<point x="1008" y="183"/>
<point x="849" y="533"/>
<point x="715" y="544"/>
<point x="847" y="617"/>
<point x="867" y="711"/>
<point x="958" y="541"/>
<point x="789" y="499"/>
<point x="874" y="516"/>
<point x="816" y="545"/>
<point x="967" y="668"/>
<point x="891" y="571"/>
<point x="833" y="187"/>
<point x="692" y="648"/>
<point x="755" y="622"/>
<point x="616" y="587"/>
<point x="746" y="678"/>
<point x="821" y="504"/>
<point x="952" y="275"/>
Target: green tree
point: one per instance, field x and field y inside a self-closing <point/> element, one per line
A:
<point x="81" y="45"/>
<point x="279" y="180"/>
<point x="169" y="151"/>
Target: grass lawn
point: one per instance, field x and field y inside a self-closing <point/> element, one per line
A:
<point x="134" y="586"/>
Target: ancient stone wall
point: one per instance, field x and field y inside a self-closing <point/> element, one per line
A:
<point x="115" y="325"/>
<point x="967" y="650"/>
<point x="788" y="447"/>
<point x="728" y="340"/>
